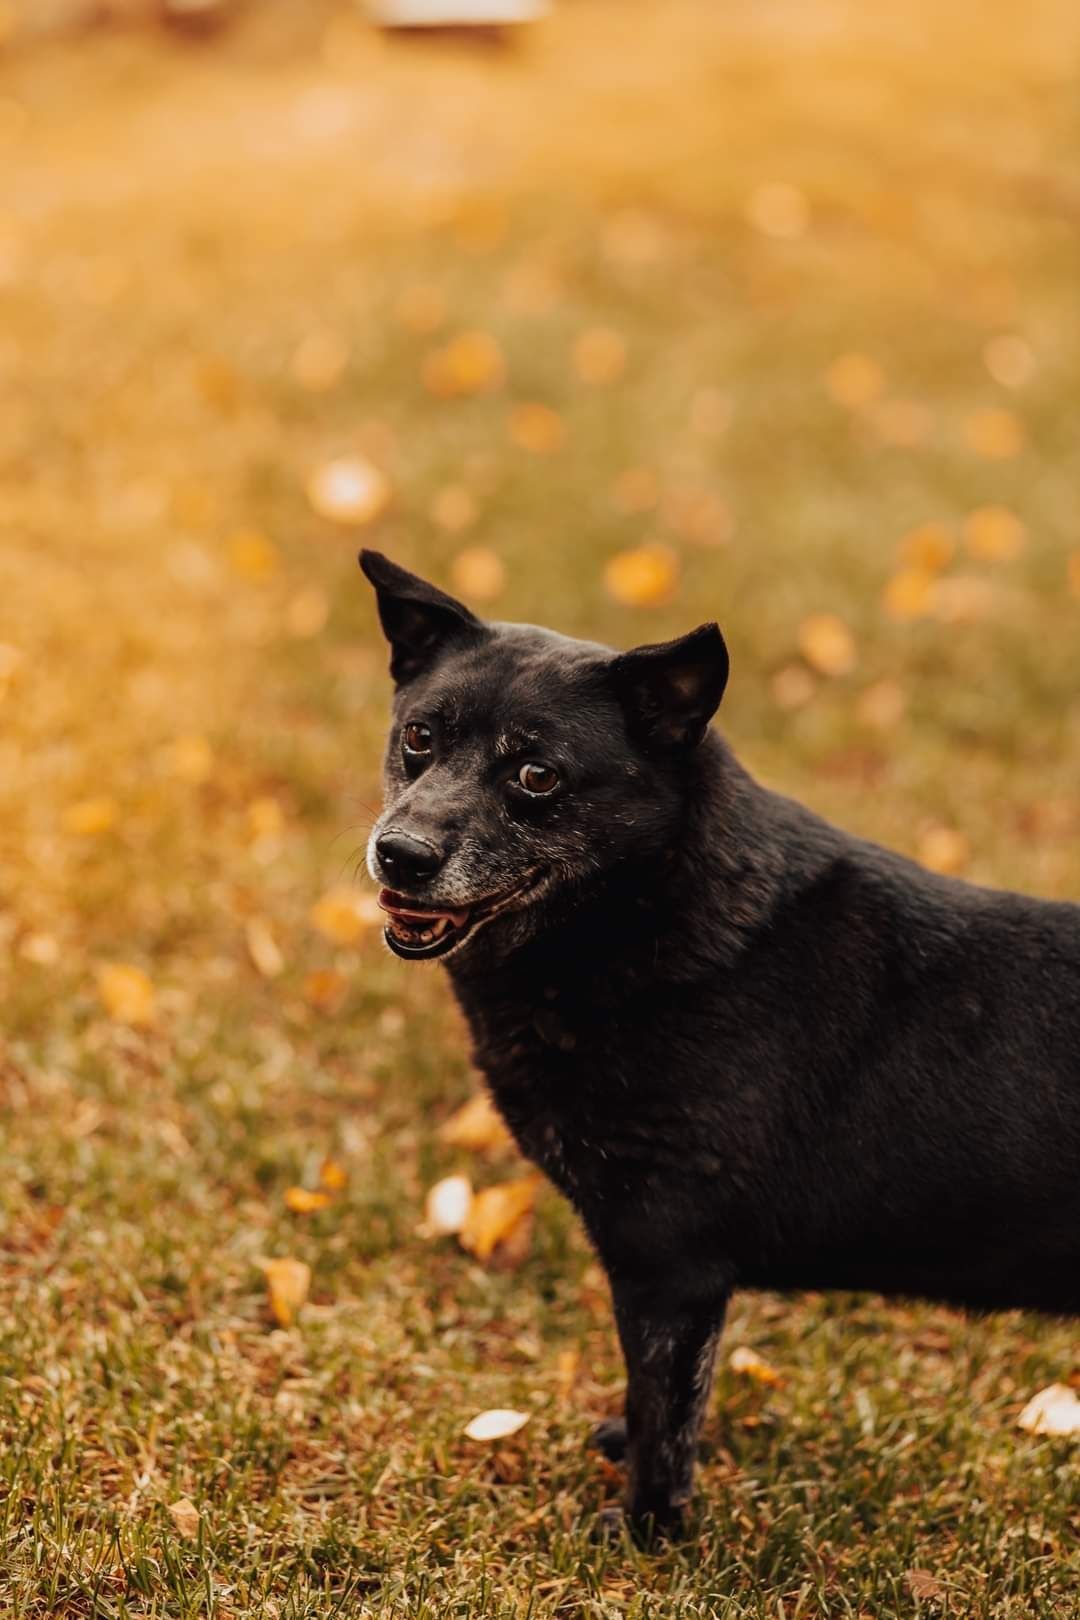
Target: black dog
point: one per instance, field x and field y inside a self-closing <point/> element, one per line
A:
<point x="752" y="1050"/>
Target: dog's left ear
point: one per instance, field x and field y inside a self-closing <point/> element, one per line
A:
<point x="671" y="691"/>
<point x="418" y="619"/>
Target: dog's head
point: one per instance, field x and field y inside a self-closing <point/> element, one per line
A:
<point x="522" y="766"/>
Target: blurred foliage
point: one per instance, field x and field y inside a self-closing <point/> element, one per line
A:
<point x="654" y="314"/>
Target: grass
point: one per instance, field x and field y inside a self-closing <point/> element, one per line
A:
<point x="177" y="221"/>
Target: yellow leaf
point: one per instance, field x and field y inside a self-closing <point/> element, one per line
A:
<point x="479" y="573"/>
<point x="88" y="817"/>
<point x="744" y="1360"/>
<point x="350" y="491"/>
<point x="476" y="1126"/>
<point x="900" y="421"/>
<point x="453" y="509"/>
<point x="1054" y="1410"/>
<point x="928" y="548"/>
<point x="779" y="210"/>
<point x="827" y="644"/>
<point x="495" y="1213"/>
<point x="1009" y="360"/>
<point x="307" y="613"/>
<point x="447" y="1206"/>
<point x="325" y="989"/>
<point x="636" y="490"/>
<point x="910" y="594"/>
<point x="287" y="1283"/>
<point x="185" y="1516"/>
<point x="421" y="309"/>
<point x="264" y="818"/>
<point x="643" y="576"/>
<point x="498" y="1424"/>
<point x="996" y="434"/>
<point x="318" y="363"/>
<point x="792" y="687"/>
<point x="44" y="949"/>
<point x="263" y="948"/>
<point x="126" y="993"/>
<point x="343" y="914"/>
<point x="600" y="356"/>
<point x="943" y="849"/>
<point x="252" y="555"/>
<point x="994" y="534"/>
<point x="10" y="659"/>
<point x="303" y="1202"/>
<point x="333" y="1175"/>
<point x="190" y="759"/>
<point x="882" y="706"/>
<point x="855" y="380"/>
<point x="471" y="363"/>
<point x="963" y="599"/>
<point x="536" y="428"/>
<point x="698" y="516"/>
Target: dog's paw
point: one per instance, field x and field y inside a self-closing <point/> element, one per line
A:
<point x="609" y="1438"/>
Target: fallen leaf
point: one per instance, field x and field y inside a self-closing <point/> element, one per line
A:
<point x="827" y="644"/>
<point x="643" y="576"/>
<point x="350" y="491"/>
<point x="471" y="363"/>
<point x="567" y="1363"/>
<point x="263" y="948"/>
<point x="779" y="210"/>
<point x="744" y="1360"/>
<point x="498" y="1424"/>
<point x="882" y="706"/>
<point x="600" y="356"/>
<point x="494" y="1213"/>
<point x="307" y="612"/>
<point x="319" y="361"/>
<point x="89" y="817"/>
<point x="855" y="380"/>
<point x="42" y="949"/>
<point x="994" y="534"/>
<point x="479" y="573"/>
<point x="928" y="548"/>
<point x="1054" y="1410"/>
<point x="287" y="1283"/>
<point x="910" y="595"/>
<point x="421" y="309"/>
<point x="453" y="509"/>
<point x="333" y="1176"/>
<point x="901" y="422"/>
<point x="304" y="1202"/>
<point x="252" y="555"/>
<point x="126" y="993"/>
<point x="265" y="818"/>
<point x="923" y="1585"/>
<point x="325" y="989"/>
<point x="343" y="914"/>
<point x="189" y="759"/>
<point x="447" y="1205"/>
<point x="185" y="1516"/>
<point x="792" y="687"/>
<point x="963" y="599"/>
<point x="943" y="849"/>
<point x="636" y="490"/>
<point x="996" y="434"/>
<point x="1009" y="360"/>
<point x="698" y="516"/>
<point x="536" y="428"/>
<point x="477" y="1126"/>
<point x="10" y="660"/>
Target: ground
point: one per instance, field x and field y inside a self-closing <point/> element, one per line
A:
<point x="794" y="289"/>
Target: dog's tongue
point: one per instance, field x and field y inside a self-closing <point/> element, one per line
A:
<point x="398" y="906"/>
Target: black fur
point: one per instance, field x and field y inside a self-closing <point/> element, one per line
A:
<point x="752" y="1050"/>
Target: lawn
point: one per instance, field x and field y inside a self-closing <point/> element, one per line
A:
<point x="775" y="308"/>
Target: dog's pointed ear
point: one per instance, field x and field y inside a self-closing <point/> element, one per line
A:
<point x="418" y="619"/>
<point x="671" y="691"/>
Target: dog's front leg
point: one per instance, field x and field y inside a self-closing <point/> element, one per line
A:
<point x="669" y="1367"/>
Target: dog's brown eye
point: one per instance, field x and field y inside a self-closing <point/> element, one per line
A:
<point x="538" y="779"/>
<point x="417" y="738"/>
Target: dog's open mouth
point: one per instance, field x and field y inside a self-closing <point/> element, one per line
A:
<point x="421" y="932"/>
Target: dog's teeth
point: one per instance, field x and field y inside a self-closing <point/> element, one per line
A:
<point x="439" y="928"/>
<point x="427" y="936"/>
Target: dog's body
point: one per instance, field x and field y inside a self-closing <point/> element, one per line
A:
<point x="751" y="1049"/>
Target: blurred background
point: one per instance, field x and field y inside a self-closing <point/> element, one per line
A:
<point x="639" y="315"/>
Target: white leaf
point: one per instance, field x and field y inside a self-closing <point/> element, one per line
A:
<point x="1054" y="1410"/>
<point x="496" y="1424"/>
<point x="448" y="1204"/>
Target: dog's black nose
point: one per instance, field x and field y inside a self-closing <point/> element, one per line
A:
<point x="406" y="860"/>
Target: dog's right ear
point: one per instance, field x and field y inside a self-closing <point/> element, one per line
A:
<point x="418" y="619"/>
